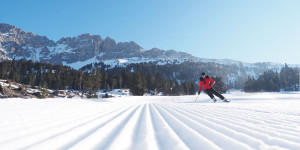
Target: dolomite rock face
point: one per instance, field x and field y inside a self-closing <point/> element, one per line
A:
<point x="18" y="44"/>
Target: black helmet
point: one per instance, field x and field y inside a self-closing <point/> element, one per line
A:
<point x="202" y="74"/>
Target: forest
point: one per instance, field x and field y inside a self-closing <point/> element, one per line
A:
<point x="59" y="77"/>
<point x="285" y="80"/>
<point x="140" y="78"/>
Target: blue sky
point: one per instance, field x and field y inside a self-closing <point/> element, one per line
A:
<point x="246" y="30"/>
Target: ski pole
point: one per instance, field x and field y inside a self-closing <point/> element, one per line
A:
<point x="196" y="98"/>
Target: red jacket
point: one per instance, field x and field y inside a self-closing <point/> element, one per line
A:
<point x="206" y="83"/>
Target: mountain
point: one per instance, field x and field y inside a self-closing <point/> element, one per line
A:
<point x="76" y="51"/>
<point x="85" y="49"/>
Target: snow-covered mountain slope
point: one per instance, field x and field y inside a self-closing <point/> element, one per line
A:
<point x="86" y="48"/>
<point x="251" y="121"/>
<point x="77" y="51"/>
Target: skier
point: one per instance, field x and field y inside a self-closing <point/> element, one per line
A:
<point x="208" y="84"/>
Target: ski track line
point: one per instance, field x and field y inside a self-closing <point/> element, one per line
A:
<point x="122" y="136"/>
<point x="37" y="118"/>
<point x="189" y="136"/>
<point x="283" y="127"/>
<point x="165" y="135"/>
<point x="103" y="135"/>
<point x="251" y="132"/>
<point x="60" y="136"/>
<point x="278" y="122"/>
<point x="144" y="132"/>
<point x="217" y="138"/>
<point x="267" y="138"/>
<point x="28" y="123"/>
<point x="262" y="124"/>
<point x="274" y="133"/>
<point x="248" y="110"/>
<point x="239" y="136"/>
<point x="82" y="133"/>
<point x="66" y="121"/>
<point x="208" y="126"/>
<point x="280" y="112"/>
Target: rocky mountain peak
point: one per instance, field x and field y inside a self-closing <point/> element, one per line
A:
<point x="110" y="40"/>
<point x="19" y="44"/>
<point x="130" y="47"/>
<point x="83" y="49"/>
<point x="89" y="36"/>
<point x="108" y="45"/>
<point x="6" y="28"/>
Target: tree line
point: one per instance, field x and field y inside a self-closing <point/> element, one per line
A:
<point x="92" y="78"/>
<point x="286" y="80"/>
<point x="168" y="78"/>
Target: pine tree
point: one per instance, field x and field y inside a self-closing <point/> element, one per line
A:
<point x="114" y="81"/>
<point x="219" y="85"/>
<point x="159" y="83"/>
<point x="176" y="90"/>
<point x="86" y="82"/>
<point x="120" y="80"/>
<point x="185" y="88"/>
<point x="98" y="79"/>
<point x="137" y="84"/>
<point x="105" y="79"/>
<point x="249" y="85"/>
<point x="269" y="82"/>
<point x="150" y="82"/>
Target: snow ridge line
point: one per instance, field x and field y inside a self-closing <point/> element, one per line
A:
<point x="89" y="125"/>
<point x="67" y="121"/>
<point x="165" y="131"/>
<point x="222" y="129"/>
<point x="275" y="122"/>
<point x="193" y="140"/>
<point x="113" y="129"/>
<point x="211" y="134"/>
<point x="144" y="132"/>
<point x="89" y="138"/>
<point x="125" y="137"/>
<point x="286" y="134"/>
<point x="240" y="126"/>
<point x="248" y="117"/>
<point x="40" y="120"/>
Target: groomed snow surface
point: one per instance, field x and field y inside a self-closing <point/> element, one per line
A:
<point x="250" y="121"/>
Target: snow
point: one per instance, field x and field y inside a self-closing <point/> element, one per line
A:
<point x="250" y="121"/>
<point x="125" y="61"/>
<point x="122" y="60"/>
<point x="80" y="64"/>
<point x="5" y="34"/>
<point x="60" y="48"/>
<point x="3" y="82"/>
<point x="114" y="93"/>
<point x="35" y="53"/>
<point x="3" y="50"/>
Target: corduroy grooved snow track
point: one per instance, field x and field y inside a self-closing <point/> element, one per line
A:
<point x="263" y="121"/>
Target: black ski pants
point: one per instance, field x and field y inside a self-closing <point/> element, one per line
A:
<point x="211" y="92"/>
